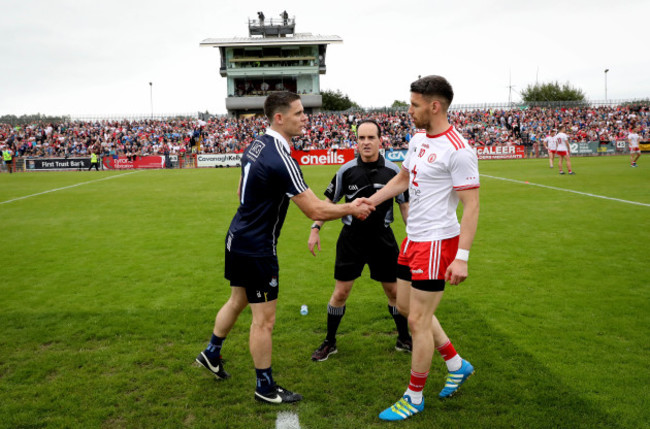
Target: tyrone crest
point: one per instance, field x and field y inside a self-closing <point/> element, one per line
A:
<point x="432" y="158"/>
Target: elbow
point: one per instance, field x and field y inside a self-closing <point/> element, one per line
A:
<point x="313" y="213"/>
<point x="316" y="209"/>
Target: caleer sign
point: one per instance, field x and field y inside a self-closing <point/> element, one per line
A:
<point x="501" y="152"/>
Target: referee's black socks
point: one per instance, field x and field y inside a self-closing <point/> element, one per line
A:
<point x="334" y="316"/>
<point x="401" y="323"/>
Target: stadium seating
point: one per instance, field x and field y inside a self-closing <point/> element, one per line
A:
<point x="230" y="135"/>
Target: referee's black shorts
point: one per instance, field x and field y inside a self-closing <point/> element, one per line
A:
<point x="258" y="275"/>
<point x="378" y="249"/>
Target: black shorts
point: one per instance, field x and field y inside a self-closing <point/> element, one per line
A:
<point x="403" y="272"/>
<point x="355" y="249"/>
<point x="258" y="275"/>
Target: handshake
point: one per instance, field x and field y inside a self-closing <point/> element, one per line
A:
<point x="361" y="208"/>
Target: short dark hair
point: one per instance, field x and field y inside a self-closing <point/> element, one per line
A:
<point x="278" y="102"/>
<point x="369" y="121"/>
<point x="434" y="86"/>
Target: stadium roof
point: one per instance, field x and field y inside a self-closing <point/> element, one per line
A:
<point x="298" y="39"/>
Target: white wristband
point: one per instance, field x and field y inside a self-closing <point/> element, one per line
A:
<point x="463" y="255"/>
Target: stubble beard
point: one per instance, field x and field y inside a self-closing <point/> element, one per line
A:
<point x="420" y="124"/>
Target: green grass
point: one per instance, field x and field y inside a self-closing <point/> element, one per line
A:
<point x="109" y="290"/>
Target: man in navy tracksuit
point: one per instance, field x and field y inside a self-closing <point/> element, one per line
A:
<point x="269" y="179"/>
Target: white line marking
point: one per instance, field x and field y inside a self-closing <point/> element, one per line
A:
<point x="567" y="190"/>
<point x="287" y="420"/>
<point x="68" y="187"/>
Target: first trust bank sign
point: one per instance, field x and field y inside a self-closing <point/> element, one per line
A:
<point x="57" y="164"/>
<point x="323" y="157"/>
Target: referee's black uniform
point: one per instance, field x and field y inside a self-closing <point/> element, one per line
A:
<point x="370" y="241"/>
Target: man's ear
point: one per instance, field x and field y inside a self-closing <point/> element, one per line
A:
<point x="436" y="106"/>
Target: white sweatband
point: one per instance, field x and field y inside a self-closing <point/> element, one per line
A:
<point x="463" y="255"/>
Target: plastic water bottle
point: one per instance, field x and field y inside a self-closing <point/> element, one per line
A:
<point x="304" y="310"/>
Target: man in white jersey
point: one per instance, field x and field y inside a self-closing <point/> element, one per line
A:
<point x="551" y="146"/>
<point x="440" y="170"/>
<point x="563" y="150"/>
<point x="635" y="150"/>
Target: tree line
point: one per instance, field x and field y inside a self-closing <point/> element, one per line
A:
<point x="33" y="118"/>
<point x="538" y="92"/>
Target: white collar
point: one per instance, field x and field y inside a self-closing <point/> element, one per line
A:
<point x="279" y="136"/>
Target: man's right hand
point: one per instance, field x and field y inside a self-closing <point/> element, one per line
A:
<point x="361" y="208"/>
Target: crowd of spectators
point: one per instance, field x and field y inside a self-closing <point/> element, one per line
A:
<point x="482" y="127"/>
<point x="530" y="126"/>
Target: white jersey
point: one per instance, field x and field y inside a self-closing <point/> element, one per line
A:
<point x="551" y="144"/>
<point x="438" y="166"/>
<point x="634" y="139"/>
<point x="562" y="142"/>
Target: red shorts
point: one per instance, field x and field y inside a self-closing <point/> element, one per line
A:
<point x="635" y="149"/>
<point x="428" y="260"/>
<point x="552" y="151"/>
<point x="561" y="152"/>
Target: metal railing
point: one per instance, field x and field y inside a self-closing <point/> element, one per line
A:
<point x="133" y="117"/>
<point x="516" y="105"/>
<point x="549" y="104"/>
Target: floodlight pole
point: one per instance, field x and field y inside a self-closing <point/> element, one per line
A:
<point x="151" y="97"/>
<point x="606" y="70"/>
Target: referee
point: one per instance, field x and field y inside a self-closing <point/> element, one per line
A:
<point x="368" y="242"/>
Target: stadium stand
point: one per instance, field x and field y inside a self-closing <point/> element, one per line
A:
<point x="485" y="127"/>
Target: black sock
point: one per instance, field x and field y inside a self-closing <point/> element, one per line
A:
<point x="213" y="350"/>
<point x="264" y="380"/>
<point x="334" y="316"/>
<point x="400" y="322"/>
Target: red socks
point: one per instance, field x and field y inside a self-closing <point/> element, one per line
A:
<point x="418" y="380"/>
<point x="452" y="359"/>
<point x="447" y="350"/>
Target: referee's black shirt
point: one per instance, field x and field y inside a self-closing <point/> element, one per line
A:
<point x="357" y="179"/>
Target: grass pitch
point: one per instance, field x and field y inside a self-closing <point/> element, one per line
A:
<point x="110" y="285"/>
